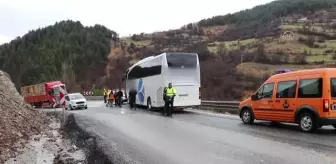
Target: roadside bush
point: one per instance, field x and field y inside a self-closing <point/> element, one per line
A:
<point x="212" y="44"/>
<point x="300" y="59"/>
<point x="261" y="54"/>
<point x="98" y="92"/>
<point x="319" y="62"/>
<point x="221" y="81"/>
<point x="278" y="59"/>
<point x="328" y="51"/>
<point x="321" y="40"/>
<point x="334" y="56"/>
<point x="136" y="37"/>
<point x="307" y="41"/>
<point x="316" y="45"/>
<point x="315" y="33"/>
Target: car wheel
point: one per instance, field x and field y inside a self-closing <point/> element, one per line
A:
<point x="149" y="104"/>
<point x="247" y="116"/>
<point x="307" y="122"/>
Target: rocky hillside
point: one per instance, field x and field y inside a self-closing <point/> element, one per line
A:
<point x="18" y="120"/>
<point x="237" y="51"/>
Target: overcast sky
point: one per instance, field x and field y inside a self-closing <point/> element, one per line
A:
<point x="125" y="17"/>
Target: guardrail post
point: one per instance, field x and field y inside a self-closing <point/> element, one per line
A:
<point x="63" y="116"/>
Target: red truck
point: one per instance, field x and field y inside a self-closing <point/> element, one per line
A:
<point x="43" y="94"/>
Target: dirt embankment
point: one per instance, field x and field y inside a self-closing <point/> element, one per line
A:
<point x="18" y="120"/>
<point x="28" y="135"/>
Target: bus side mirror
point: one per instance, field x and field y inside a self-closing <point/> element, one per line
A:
<point x="254" y="97"/>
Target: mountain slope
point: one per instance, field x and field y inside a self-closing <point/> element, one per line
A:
<point x="238" y="51"/>
<point x="269" y="12"/>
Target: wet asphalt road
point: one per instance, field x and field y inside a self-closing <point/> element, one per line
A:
<point x="190" y="138"/>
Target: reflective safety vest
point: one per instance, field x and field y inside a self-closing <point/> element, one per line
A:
<point x="111" y="96"/>
<point x="170" y="91"/>
<point x="104" y="92"/>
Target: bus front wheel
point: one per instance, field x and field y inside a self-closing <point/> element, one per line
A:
<point x="149" y="104"/>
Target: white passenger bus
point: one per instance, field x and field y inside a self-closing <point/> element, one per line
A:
<point x="149" y="76"/>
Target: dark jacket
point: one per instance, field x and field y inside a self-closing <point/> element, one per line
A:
<point x="120" y="94"/>
<point x="164" y="93"/>
<point x="132" y="94"/>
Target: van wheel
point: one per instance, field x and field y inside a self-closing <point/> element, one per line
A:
<point x="247" y="116"/>
<point x="149" y="104"/>
<point x="307" y="122"/>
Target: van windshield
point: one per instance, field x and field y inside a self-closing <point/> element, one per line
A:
<point x="333" y="87"/>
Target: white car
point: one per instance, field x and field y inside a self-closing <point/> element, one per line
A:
<point x="75" y="101"/>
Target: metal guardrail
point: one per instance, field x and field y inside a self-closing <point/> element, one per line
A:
<point x="218" y="106"/>
<point x="94" y="97"/>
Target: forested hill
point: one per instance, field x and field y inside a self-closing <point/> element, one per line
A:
<point x="67" y="51"/>
<point x="263" y="20"/>
<point x="269" y="12"/>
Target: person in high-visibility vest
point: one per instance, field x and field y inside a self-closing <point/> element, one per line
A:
<point x="169" y="93"/>
<point x="111" y="98"/>
<point x="105" y="95"/>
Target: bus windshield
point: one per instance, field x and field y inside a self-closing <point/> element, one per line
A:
<point x="181" y="60"/>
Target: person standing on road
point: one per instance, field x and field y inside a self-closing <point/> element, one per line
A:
<point x="111" y="99"/>
<point x="119" y="95"/>
<point x="170" y="94"/>
<point x="105" y="95"/>
<point x="132" y="96"/>
<point x="108" y="92"/>
<point x="116" y="97"/>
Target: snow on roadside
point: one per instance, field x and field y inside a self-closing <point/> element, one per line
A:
<point x="211" y="113"/>
<point x="49" y="148"/>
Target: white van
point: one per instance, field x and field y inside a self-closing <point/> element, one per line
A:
<point x="75" y="101"/>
